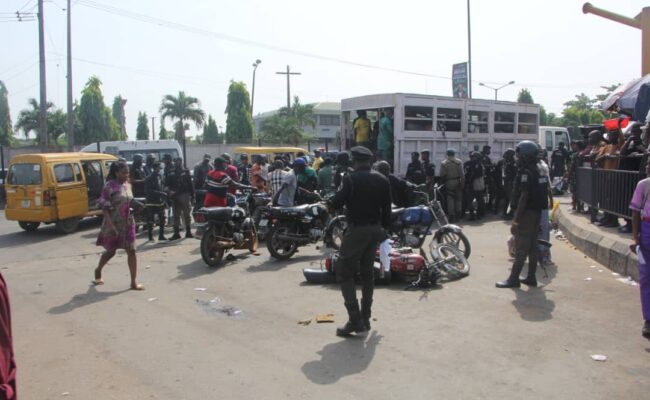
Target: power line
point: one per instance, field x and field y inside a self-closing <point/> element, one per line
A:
<point x="185" y="28"/>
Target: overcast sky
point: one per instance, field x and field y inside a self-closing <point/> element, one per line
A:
<point x="549" y="47"/>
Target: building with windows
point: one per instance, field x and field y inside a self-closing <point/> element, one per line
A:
<point x="327" y="116"/>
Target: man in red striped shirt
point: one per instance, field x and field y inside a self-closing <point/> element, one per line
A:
<point x="218" y="184"/>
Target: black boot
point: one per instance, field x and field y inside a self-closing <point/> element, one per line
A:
<point x="354" y="324"/>
<point x="529" y="281"/>
<point x="366" y="306"/>
<point x="150" y="233"/>
<point x="646" y="329"/>
<point x="188" y="232"/>
<point x="177" y="234"/>
<point x="161" y="233"/>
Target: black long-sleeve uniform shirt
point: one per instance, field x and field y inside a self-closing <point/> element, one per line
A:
<point x="366" y="195"/>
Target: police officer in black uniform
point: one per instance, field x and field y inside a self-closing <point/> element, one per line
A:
<point x="366" y="195"/>
<point x="148" y="166"/>
<point x="137" y="175"/>
<point x="530" y="195"/>
<point x="488" y="171"/>
<point x="155" y="201"/>
<point x="507" y="167"/>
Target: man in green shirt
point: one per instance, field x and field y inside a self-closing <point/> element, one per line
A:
<point x="385" y="138"/>
<point x="325" y="176"/>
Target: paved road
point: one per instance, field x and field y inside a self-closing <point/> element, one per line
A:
<point x="466" y="340"/>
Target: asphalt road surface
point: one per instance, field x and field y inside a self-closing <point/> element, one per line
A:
<point x="464" y="340"/>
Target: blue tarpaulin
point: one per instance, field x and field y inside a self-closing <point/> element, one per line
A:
<point x="635" y="102"/>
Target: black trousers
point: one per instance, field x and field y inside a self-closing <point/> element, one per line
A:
<point x="152" y="211"/>
<point x="357" y="256"/>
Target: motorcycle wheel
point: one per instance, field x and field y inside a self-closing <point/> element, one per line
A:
<point x="458" y="240"/>
<point x="211" y="254"/>
<point x="454" y="259"/>
<point x="335" y="231"/>
<point x="280" y="250"/>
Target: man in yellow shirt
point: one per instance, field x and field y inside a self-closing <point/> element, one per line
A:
<point x="362" y="129"/>
<point x="318" y="160"/>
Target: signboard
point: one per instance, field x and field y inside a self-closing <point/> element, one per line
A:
<point x="459" y="80"/>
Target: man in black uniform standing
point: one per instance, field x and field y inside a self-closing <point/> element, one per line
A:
<point x="414" y="171"/>
<point x="137" y="175"/>
<point x="366" y="195"/>
<point x="488" y="171"/>
<point x="155" y="198"/>
<point x="530" y="195"/>
<point x="508" y="170"/>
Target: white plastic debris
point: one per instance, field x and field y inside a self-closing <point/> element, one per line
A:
<point x="628" y="281"/>
<point x="587" y="279"/>
<point x="65" y="394"/>
<point x="615" y="274"/>
<point x="598" y="357"/>
<point x="150" y="299"/>
<point x="384" y="254"/>
<point x="200" y="289"/>
<point x="592" y="266"/>
<point x="147" y="267"/>
<point x="600" y="270"/>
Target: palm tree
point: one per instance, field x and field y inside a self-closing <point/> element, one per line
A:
<point x="282" y="128"/>
<point x="303" y="113"/>
<point x="28" y="120"/>
<point x="182" y="107"/>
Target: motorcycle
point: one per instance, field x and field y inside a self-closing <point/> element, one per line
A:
<point x="260" y="204"/>
<point x="410" y="226"/>
<point x="448" y="263"/>
<point x="221" y="229"/>
<point x="292" y="227"/>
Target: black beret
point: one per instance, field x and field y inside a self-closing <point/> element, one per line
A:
<point x="360" y="152"/>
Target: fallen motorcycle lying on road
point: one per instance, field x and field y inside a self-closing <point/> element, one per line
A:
<point x="447" y="262"/>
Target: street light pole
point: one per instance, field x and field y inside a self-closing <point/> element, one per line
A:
<point x="496" y="90"/>
<point x="255" y="65"/>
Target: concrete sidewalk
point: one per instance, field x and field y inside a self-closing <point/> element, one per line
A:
<point x="605" y="245"/>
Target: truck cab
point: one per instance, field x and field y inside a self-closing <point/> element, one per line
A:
<point x="551" y="136"/>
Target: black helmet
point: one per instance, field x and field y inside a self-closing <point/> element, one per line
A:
<point x="509" y="152"/>
<point x="527" y="151"/>
<point x="138" y="158"/>
<point x="343" y="158"/>
<point x="151" y="156"/>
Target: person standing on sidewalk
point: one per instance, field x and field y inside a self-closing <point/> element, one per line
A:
<point x="366" y="195"/>
<point x="640" y="206"/>
<point x="530" y="196"/>
<point x="181" y="191"/>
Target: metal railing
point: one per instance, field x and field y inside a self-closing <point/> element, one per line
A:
<point x="607" y="190"/>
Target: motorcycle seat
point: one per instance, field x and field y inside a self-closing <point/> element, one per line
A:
<point x="218" y="213"/>
<point x="296" y="210"/>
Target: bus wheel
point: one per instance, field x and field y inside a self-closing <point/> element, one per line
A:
<point x="29" y="226"/>
<point x="68" y="225"/>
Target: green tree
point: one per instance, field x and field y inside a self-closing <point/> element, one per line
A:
<point x="119" y="115"/>
<point x="97" y="122"/>
<point x="211" y="132"/>
<point x="142" y="131"/>
<point x="28" y="121"/>
<point x="182" y="108"/>
<point x="581" y="102"/>
<point x="239" y="124"/>
<point x="162" y="132"/>
<point x="282" y="128"/>
<point x="6" y="131"/>
<point x="525" y="97"/>
<point x="303" y="113"/>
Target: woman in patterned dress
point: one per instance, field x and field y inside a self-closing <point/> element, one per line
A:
<point x="118" y="226"/>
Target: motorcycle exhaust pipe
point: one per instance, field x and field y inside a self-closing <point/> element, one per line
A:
<point x="225" y="243"/>
<point x="291" y="238"/>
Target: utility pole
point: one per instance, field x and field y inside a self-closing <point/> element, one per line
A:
<point x="153" y="128"/>
<point x="641" y="21"/>
<point x="42" y="117"/>
<point x="288" y="74"/>
<point x="70" y="115"/>
<point x="469" y="51"/>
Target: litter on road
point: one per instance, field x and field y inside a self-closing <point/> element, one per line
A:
<point x="628" y="281"/>
<point x="325" y="318"/>
<point x="150" y="299"/>
<point x="200" y="289"/>
<point x="588" y="279"/>
<point x="598" y="357"/>
<point x="304" y="322"/>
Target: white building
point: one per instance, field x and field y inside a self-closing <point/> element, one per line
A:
<point x="327" y="116"/>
